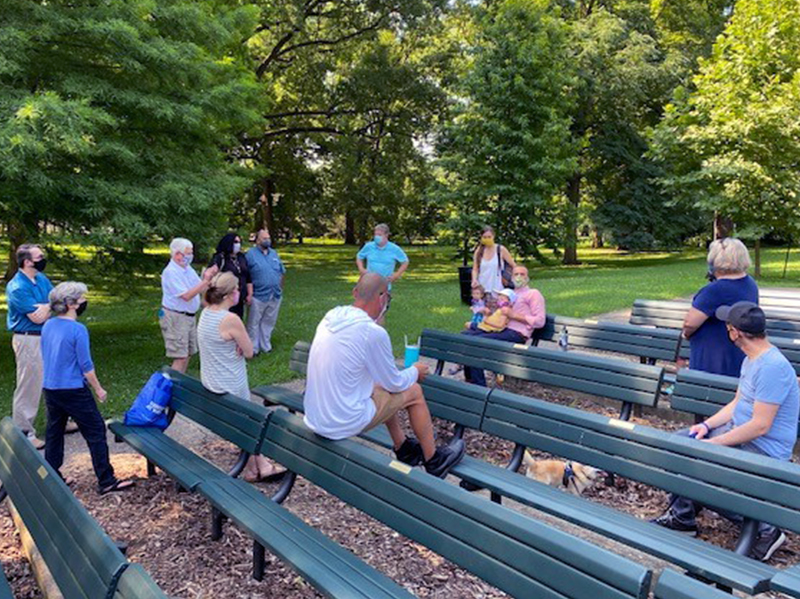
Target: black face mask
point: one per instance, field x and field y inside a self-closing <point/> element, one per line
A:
<point x="266" y="244"/>
<point x="81" y="308"/>
<point x="40" y="265"/>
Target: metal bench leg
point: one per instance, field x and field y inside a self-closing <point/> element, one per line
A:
<point x="179" y="488"/>
<point x="458" y="432"/>
<point x="151" y="469"/>
<point x="496" y="498"/>
<point x="439" y="368"/>
<point x="117" y="439"/>
<point x="748" y="536"/>
<point x="516" y="458"/>
<point x="241" y="462"/>
<point x="259" y="561"/>
<point x="286" y="487"/>
<point x="217" y="520"/>
<point x="625" y="412"/>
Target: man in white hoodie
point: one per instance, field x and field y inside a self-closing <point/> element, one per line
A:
<point x="354" y="385"/>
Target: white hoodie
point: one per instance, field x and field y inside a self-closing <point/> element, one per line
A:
<point x="350" y="354"/>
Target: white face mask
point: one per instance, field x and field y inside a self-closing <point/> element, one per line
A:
<point x="237" y="247"/>
<point x="187" y="259"/>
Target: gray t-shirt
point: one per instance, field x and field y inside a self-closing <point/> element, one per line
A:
<point x="770" y="378"/>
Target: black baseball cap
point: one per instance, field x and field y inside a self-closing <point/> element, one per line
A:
<point x="745" y="316"/>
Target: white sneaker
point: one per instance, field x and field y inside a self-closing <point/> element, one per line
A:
<point x="36" y="442"/>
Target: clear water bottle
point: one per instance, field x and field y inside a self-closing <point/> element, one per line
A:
<point x="563" y="339"/>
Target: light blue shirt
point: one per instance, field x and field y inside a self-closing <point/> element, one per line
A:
<point x="22" y="295"/>
<point x="175" y="281"/>
<point x="266" y="272"/>
<point x="65" y="354"/>
<point x="382" y="260"/>
<point x="770" y="379"/>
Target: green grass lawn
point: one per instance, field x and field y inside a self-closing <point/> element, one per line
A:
<point x="127" y="344"/>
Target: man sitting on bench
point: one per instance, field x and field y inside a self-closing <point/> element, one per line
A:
<point x="762" y="418"/>
<point x="353" y="384"/>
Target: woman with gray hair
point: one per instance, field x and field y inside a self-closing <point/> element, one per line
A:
<point x="711" y="350"/>
<point x="68" y="374"/>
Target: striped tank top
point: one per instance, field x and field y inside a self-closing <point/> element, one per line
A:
<point x="222" y="369"/>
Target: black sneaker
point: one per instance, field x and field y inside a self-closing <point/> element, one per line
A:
<point x="445" y="458"/>
<point x="667" y="520"/>
<point x="766" y="545"/>
<point x="410" y="452"/>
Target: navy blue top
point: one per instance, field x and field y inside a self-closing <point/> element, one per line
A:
<point x="22" y="295"/>
<point x="712" y="351"/>
<point x="65" y="354"/>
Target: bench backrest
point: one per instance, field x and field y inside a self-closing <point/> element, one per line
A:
<point x="82" y="559"/>
<point x="702" y="393"/>
<point x="629" y="339"/>
<point x="672" y="585"/>
<point x="755" y="486"/>
<point x="298" y="359"/>
<point x="670" y="314"/>
<point x="518" y="555"/>
<point x="779" y="299"/>
<point x="605" y="377"/>
<point x="235" y="419"/>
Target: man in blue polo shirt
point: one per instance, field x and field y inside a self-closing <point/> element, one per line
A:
<point x="382" y="257"/>
<point x="267" y="271"/>
<point x="762" y="418"/>
<point x="28" y="309"/>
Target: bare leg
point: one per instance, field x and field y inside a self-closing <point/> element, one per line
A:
<point x="420" y="418"/>
<point x="180" y="364"/>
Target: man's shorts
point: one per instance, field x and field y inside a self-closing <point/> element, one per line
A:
<point x="179" y="332"/>
<point x="388" y="404"/>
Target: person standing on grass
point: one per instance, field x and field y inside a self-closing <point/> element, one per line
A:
<point x="382" y="257"/>
<point x="229" y="258"/>
<point x="266" y="272"/>
<point x="728" y="261"/>
<point x="488" y="263"/>
<point x="180" y="301"/>
<point x="224" y="349"/>
<point x="525" y="315"/>
<point x="28" y="309"/>
<point x="68" y="374"/>
<point x="762" y="418"/>
<point x="354" y="385"/>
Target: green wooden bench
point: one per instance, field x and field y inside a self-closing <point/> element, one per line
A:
<point x="5" y="588"/>
<point x="672" y="585"/>
<point x="787" y="582"/>
<point x="648" y="344"/>
<point x="779" y="299"/>
<point x="334" y="571"/>
<point x="518" y="555"/>
<point x="789" y="348"/>
<point x="702" y="393"/>
<point x="670" y="314"/>
<point x="234" y="419"/>
<point x="83" y="561"/>
<point x="621" y="380"/>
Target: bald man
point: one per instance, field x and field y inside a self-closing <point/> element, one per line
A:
<point x="354" y="385"/>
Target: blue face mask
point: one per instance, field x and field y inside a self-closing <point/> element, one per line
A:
<point x="378" y="239"/>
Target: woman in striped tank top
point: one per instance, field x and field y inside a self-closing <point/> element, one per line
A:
<point x="224" y="347"/>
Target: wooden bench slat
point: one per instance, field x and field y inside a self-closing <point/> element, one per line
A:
<point x="520" y="573"/>
<point x="672" y="585"/>
<point x="329" y="567"/>
<point x="787" y="582"/>
<point x="5" y="588"/>
<point x="135" y="583"/>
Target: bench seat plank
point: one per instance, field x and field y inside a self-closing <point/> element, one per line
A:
<point x="5" y="588"/>
<point x="330" y="568"/>
<point x="787" y="582"/>
<point x="699" y="557"/>
<point x="672" y="585"/>
<point x="135" y="583"/>
<point x="277" y="394"/>
<point x="182" y="464"/>
<point x="466" y="529"/>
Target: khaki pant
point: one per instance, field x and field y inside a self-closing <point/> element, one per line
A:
<point x="387" y="405"/>
<point x="261" y="321"/>
<point x="30" y="376"/>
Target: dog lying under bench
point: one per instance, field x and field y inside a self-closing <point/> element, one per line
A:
<point x="572" y="476"/>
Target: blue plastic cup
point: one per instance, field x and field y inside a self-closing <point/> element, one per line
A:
<point x="412" y="353"/>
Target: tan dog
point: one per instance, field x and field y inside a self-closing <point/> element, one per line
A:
<point x="572" y="476"/>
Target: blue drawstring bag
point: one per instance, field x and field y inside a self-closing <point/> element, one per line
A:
<point x="150" y="406"/>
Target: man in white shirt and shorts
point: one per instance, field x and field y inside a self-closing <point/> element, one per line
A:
<point x="354" y="385"/>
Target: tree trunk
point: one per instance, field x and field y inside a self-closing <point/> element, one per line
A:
<point x="758" y="259"/>
<point x="18" y="234"/>
<point x="267" y="215"/>
<point x="723" y="226"/>
<point x="349" y="228"/>
<point x="571" y="231"/>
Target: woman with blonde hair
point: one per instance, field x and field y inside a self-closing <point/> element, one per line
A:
<point x="711" y="350"/>
<point x="224" y="346"/>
